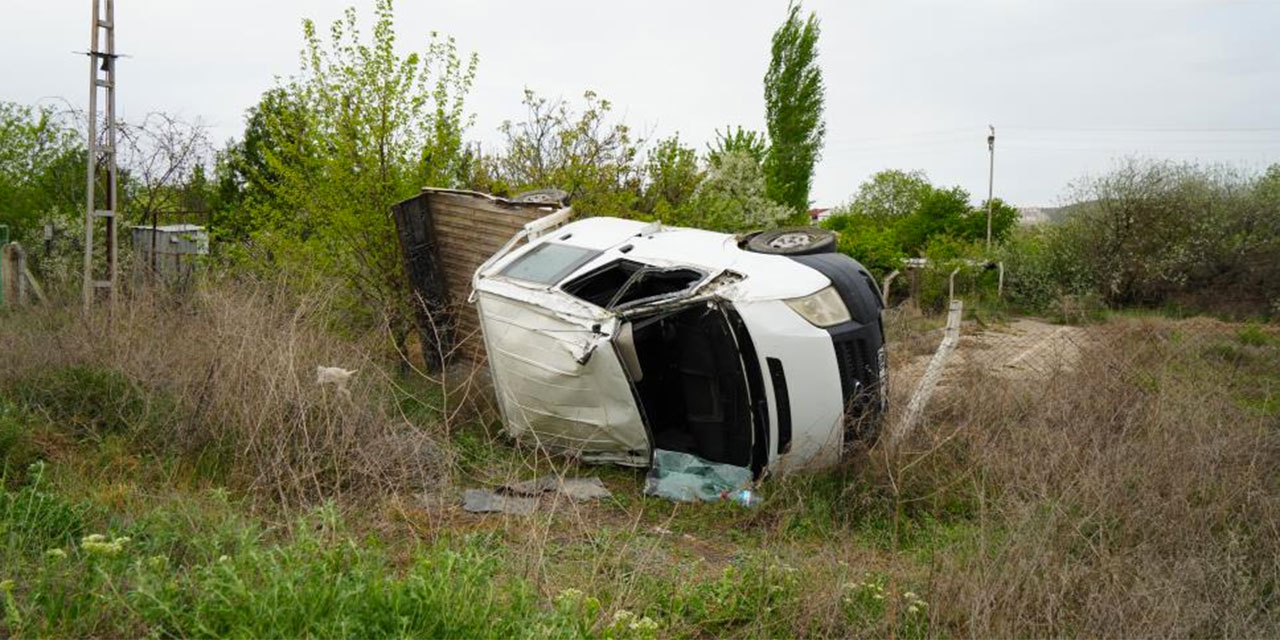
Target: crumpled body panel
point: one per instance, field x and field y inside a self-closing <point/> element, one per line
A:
<point x="559" y="383"/>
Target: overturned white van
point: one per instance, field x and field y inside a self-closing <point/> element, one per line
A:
<point x="614" y="338"/>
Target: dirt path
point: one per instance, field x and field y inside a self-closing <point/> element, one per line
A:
<point x="1024" y="350"/>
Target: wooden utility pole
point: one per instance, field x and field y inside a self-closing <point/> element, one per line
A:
<point x="991" y="179"/>
<point x="102" y="155"/>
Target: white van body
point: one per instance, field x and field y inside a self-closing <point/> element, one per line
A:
<point x="610" y="338"/>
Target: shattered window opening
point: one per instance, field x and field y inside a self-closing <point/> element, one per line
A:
<point x="626" y="282"/>
<point x="692" y="385"/>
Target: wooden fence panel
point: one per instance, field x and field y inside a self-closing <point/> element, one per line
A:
<point x="445" y="235"/>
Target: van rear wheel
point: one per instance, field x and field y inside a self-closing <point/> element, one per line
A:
<point x="792" y="241"/>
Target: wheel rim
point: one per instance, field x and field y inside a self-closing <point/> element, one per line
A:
<point x="791" y="240"/>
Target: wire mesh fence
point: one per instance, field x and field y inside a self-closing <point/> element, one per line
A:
<point x="1129" y="454"/>
<point x="1031" y="356"/>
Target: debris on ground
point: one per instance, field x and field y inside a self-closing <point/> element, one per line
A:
<point x="684" y="477"/>
<point x="575" y="488"/>
<point x="485" y="501"/>
<point x="743" y="498"/>
<point x="521" y="498"/>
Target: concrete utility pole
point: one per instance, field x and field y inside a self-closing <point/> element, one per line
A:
<point x="102" y="75"/>
<point x="991" y="179"/>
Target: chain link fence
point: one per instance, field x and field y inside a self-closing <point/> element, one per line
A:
<point x="1130" y="454"/>
<point x="1030" y="355"/>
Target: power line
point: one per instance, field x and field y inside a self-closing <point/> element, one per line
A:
<point x="1149" y="129"/>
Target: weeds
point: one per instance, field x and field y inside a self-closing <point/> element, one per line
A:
<point x="1122" y="497"/>
<point x="224" y="378"/>
<point x="1129" y="491"/>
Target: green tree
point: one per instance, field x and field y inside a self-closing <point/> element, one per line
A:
<point x="358" y="129"/>
<point x="793" y="96"/>
<point x="584" y="153"/>
<point x="888" y="195"/>
<point x="1004" y="217"/>
<point x="41" y="171"/>
<point x="671" y="175"/>
<point x="752" y="143"/>
<point x="942" y="212"/>
<point x="731" y="198"/>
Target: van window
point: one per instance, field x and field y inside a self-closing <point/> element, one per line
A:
<point x="623" y="282"/>
<point x="548" y="263"/>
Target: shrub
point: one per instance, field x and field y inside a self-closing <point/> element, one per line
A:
<point x="876" y="248"/>
<point x="1152" y="232"/>
<point x="90" y="401"/>
<point x="1040" y="268"/>
<point x="230" y="369"/>
<point x="16" y="447"/>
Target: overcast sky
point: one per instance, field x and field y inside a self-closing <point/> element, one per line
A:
<point x="1071" y="85"/>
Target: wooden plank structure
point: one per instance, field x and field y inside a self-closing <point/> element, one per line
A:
<point x="445" y="235"/>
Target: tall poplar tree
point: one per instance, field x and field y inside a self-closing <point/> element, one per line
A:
<point x="793" y="96"/>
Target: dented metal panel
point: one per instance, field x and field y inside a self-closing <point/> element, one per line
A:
<point x="559" y="382"/>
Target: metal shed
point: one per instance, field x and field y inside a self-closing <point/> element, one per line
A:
<point x="172" y="251"/>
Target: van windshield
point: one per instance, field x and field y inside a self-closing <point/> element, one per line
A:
<point x="548" y="263"/>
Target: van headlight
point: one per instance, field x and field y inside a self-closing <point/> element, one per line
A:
<point x="823" y="309"/>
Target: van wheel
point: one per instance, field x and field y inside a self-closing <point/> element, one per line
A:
<point x="793" y="241"/>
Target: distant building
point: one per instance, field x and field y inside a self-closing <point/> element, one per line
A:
<point x="1033" y="215"/>
<point x="818" y="215"/>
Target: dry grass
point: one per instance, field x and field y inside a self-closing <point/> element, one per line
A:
<point x="1135" y="495"/>
<point x="227" y="372"/>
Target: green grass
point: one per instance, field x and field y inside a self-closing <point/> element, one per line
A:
<point x="184" y="558"/>
<point x="90" y="402"/>
<point x="1254" y="335"/>
<point x="832" y="554"/>
<point x="192" y="565"/>
<point x="183" y="561"/>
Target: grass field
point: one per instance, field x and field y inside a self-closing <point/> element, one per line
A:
<point x="201" y="485"/>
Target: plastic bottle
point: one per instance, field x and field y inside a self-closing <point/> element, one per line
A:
<point x="742" y="497"/>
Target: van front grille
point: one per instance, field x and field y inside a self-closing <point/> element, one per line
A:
<point x="858" y="368"/>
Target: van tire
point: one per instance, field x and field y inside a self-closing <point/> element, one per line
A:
<point x="792" y="241"/>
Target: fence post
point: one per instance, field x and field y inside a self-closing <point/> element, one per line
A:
<point x="884" y="292"/>
<point x="932" y="374"/>
<point x="12" y="291"/>
<point x="35" y="286"/>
